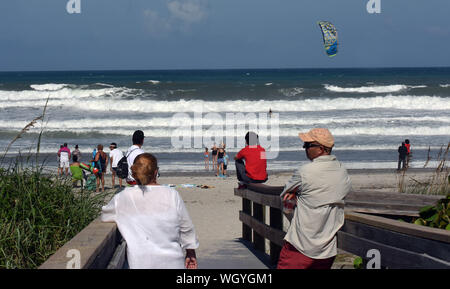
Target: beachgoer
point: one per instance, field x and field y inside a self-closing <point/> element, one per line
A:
<point x="253" y="170"/>
<point x="220" y="155"/>
<point x="76" y="171"/>
<point x="206" y="158"/>
<point x="319" y="189"/>
<point x="58" y="161"/>
<point x="225" y="163"/>
<point x="114" y="157"/>
<point x="64" y="157"/>
<point x="153" y="220"/>
<point x="133" y="152"/>
<point x="214" y="155"/>
<point x="76" y="152"/>
<point x="101" y="163"/>
<point x="408" y="154"/>
<point x="402" y="152"/>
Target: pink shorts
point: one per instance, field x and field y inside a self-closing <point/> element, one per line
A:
<point x="291" y="258"/>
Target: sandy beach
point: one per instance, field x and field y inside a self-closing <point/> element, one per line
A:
<point x="215" y="210"/>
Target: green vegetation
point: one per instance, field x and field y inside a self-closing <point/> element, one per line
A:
<point x="437" y="216"/>
<point x="39" y="212"/>
<point x="437" y="184"/>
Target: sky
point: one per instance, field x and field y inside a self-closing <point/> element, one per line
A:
<point x="220" y="34"/>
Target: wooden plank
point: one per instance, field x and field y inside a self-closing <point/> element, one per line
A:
<point x="415" y="244"/>
<point x="273" y="201"/>
<point x="119" y="257"/>
<point x="401" y="227"/>
<point x="246" y="230"/>
<point x="274" y="235"/>
<point x="259" y="215"/>
<point x="381" y="211"/>
<point x="276" y="222"/>
<point x="391" y="257"/>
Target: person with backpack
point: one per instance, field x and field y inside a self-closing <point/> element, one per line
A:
<point x="133" y="152"/>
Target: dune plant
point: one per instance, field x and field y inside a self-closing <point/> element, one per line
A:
<point x="437" y="184"/>
<point x="39" y="212"/>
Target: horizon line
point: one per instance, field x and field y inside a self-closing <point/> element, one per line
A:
<point x="210" y="69"/>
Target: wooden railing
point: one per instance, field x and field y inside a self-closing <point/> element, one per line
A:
<point x="98" y="246"/>
<point x="400" y="244"/>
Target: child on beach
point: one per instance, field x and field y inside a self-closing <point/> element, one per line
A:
<point x="225" y="163"/>
<point x="206" y="157"/>
<point x="76" y="171"/>
<point x="153" y="220"/>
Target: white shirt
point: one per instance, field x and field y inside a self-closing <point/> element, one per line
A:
<point x="319" y="214"/>
<point x="131" y="154"/>
<point x="115" y="155"/>
<point x="154" y="222"/>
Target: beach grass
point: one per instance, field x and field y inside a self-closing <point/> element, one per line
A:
<point x="39" y="211"/>
<point x="437" y="184"/>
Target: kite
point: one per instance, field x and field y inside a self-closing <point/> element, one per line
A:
<point x="329" y="34"/>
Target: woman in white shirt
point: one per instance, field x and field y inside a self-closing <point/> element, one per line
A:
<point x="153" y="221"/>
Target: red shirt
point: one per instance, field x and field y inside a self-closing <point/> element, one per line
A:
<point x="255" y="162"/>
<point x="408" y="147"/>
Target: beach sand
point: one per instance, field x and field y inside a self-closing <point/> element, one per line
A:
<point x="215" y="211"/>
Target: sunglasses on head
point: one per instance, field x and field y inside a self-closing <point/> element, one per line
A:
<point x="308" y="145"/>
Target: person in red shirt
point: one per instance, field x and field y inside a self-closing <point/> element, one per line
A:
<point x="253" y="170"/>
<point x="408" y="153"/>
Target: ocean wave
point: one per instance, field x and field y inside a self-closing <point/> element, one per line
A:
<point x="444" y="85"/>
<point x="189" y="120"/>
<point x="154" y="81"/>
<point x="49" y="86"/>
<point x="371" y="89"/>
<point x="224" y="131"/>
<point x="94" y="100"/>
<point x="291" y="91"/>
<point x="34" y="98"/>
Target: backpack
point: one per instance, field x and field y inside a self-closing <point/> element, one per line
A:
<point x="122" y="168"/>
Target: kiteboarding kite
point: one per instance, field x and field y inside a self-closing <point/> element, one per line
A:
<point x="329" y="34"/>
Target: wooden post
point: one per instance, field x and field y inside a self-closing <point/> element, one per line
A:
<point x="276" y="221"/>
<point x="258" y="240"/>
<point x="246" y="230"/>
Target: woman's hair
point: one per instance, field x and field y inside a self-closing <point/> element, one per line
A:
<point x="75" y="158"/>
<point x="144" y="169"/>
<point x="100" y="147"/>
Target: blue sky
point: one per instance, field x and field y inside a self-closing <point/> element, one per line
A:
<point x="220" y="34"/>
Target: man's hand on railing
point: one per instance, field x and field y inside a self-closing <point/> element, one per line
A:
<point x="191" y="260"/>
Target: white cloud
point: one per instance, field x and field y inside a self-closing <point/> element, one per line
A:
<point x="188" y="10"/>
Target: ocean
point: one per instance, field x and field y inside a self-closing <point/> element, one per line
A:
<point x="369" y="111"/>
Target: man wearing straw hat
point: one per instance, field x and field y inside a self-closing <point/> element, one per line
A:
<point x="319" y="189"/>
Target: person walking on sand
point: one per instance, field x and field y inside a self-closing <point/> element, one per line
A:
<point x="133" y="152"/>
<point x="101" y="163"/>
<point x="153" y="220"/>
<point x="402" y="152"/>
<point x="253" y="170"/>
<point x="319" y="189"/>
<point x="114" y="157"/>
<point x="225" y="164"/>
<point x="64" y="157"/>
<point x="206" y="158"/>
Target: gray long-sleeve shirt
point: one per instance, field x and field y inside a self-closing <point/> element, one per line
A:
<point x="323" y="185"/>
